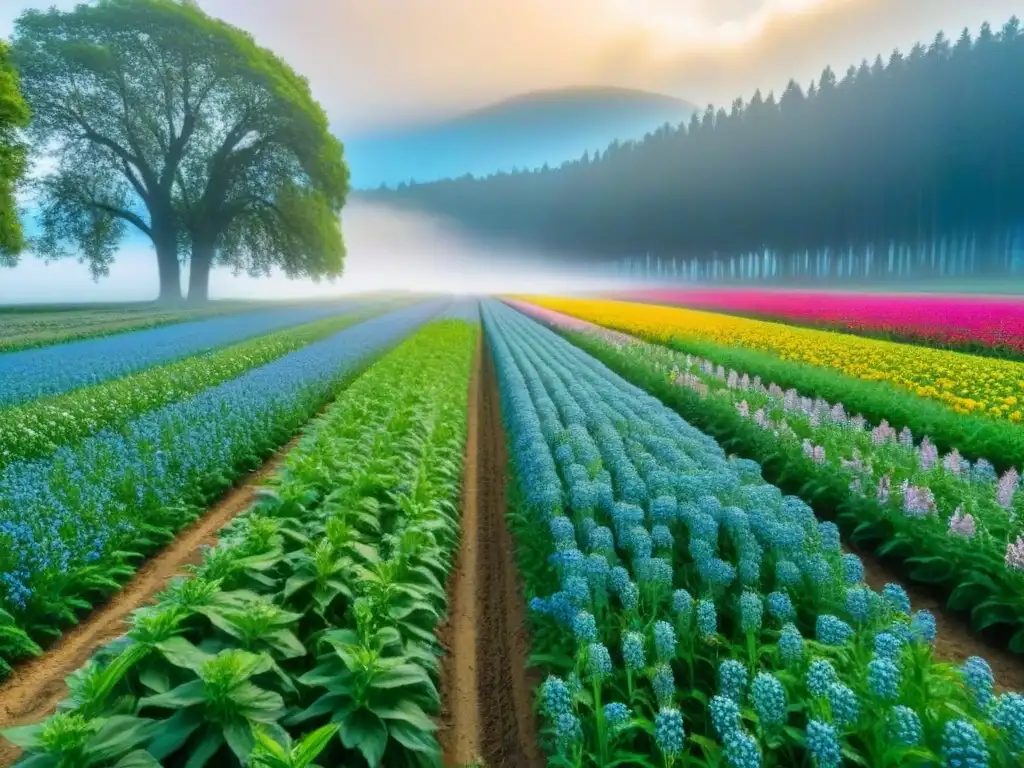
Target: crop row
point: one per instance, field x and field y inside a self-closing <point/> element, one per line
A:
<point x="966" y="384"/>
<point x="315" y="614"/>
<point x="696" y="616"/>
<point x="952" y="523"/>
<point x="974" y="436"/>
<point x="35" y="373"/>
<point x="73" y="523"/>
<point x="27" y="328"/>
<point x="39" y="427"/>
<point x="980" y="324"/>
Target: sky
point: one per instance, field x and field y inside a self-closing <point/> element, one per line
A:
<point x="377" y="65"/>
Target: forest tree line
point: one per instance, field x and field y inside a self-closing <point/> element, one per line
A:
<point x="911" y="165"/>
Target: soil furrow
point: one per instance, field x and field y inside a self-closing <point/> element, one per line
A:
<point x="460" y="719"/>
<point x="508" y="723"/>
<point x="37" y="685"/>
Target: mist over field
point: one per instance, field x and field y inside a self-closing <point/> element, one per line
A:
<point x="388" y="249"/>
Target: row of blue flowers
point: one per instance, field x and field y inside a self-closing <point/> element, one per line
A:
<point x="70" y="521"/>
<point x="700" y="617"/>
<point x="33" y="373"/>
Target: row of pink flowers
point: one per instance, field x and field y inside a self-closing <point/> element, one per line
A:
<point x="956" y="320"/>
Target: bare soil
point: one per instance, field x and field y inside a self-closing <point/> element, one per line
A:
<point x="956" y="642"/>
<point x="37" y="685"/>
<point x="489" y="719"/>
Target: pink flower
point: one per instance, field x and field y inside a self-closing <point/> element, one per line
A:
<point x="1015" y="554"/>
<point x="917" y="501"/>
<point x="884" y="488"/>
<point x="906" y="438"/>
<point x="951" y="462"/>
<point x="928" y="454"/>
<point x="818" y="455"/>
<point x="743" y="409"/>
<point x="961" y="524"/>
<point x="733" y="381"/>
<point x="1007" y="487"/>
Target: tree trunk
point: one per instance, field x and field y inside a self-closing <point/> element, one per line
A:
<point x="199" y="274"/>
<point x="169" y="271"/>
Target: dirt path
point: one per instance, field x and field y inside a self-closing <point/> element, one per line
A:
<point x="489" y="718"/>
<point x="37" y="685"/>
<point x="460" y="734"/>
<point x="956" y="641"/>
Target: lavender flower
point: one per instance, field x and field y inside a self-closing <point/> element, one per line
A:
<point x="962" y="525"/>
<point x="1015" y="554"/>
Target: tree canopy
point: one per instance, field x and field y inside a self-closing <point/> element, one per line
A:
<point x="916" y="158"/>
<point x="13" y="117"/>
<point x="157" y="117"/>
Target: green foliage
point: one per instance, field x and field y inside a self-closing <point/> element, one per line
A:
<point x="13" y="117"/>
<point x="160" y="117"/>
<point x="308" y="632"/>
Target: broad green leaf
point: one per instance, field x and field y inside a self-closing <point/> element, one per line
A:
<point x="413" y="738"/>
<point x="307" y="750"/>
<point x="212" y="741"/>
<point x="185" y="695"/>
<point x="366" y="732"/>
<point x="182" y="653"/>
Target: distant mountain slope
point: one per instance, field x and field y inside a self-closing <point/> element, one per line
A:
<point x="525" y="131"/>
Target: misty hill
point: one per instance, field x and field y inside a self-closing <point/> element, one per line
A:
<point x="525" y="131"/>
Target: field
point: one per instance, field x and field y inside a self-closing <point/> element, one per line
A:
<point x="983" y="324"/>
<point x="510" y="531"/>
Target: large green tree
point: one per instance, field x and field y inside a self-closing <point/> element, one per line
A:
<point x="155" y="116"/>
<point x="13" y="117"/>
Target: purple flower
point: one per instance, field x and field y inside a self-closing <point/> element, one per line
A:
<point x="961" y="524"/>
<point x="1006" y="488"/>
<point x="1015" y="554"/>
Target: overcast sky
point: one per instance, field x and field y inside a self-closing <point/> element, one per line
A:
<point x="377" y="64"/>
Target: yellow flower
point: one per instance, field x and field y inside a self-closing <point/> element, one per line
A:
<point x="966" y="383"/>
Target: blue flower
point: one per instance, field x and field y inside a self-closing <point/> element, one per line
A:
<point x="600" y="539"/>
<point x="833" y="631"/>
<point x="820" y="675"/>
<point x="888" y="645"/>
<point x="979" y="680"/>
<point x="923" y="627"/>
<point x="662" y="537"/>
<point x="555" y="697"/>
<point x="663" y="509"/>
<point x="963" y="746"/>
<point x="584" y="627"/>
<point x="858" y="603"/>
<point x="751" y="612"/>
<point x="664" y="684"/>
<point x="562" y="531"/>
<point x="725" y="715"/>
<point x="1008" y="717"/>
<point x="750" y="572"/>
<point x="823" y="744"/>
<point x="707" y="619"/>
<point x="884" y="678"/>
<point x="630" y="596"/>
<point x="682" y="606"/>
<point x="741" y="750"/>
<point x="569" y="730"/>
<point x="633" y="651"/>
<point x="844" y="705"/>
<point x="578" y="590"/>
<point x="769" y="700"/>
<point x="853" y="569"/>
<point x="732" y="679"/>
<point x="780" y="607"/>
<point x="791" y="645"/>
<point x="620" y="578"/>
<point x="787" y="573"/>
<point x="616" y="715"/>
<point x="599" y="661"/>
<point x="664" y="641"/>
<point x="904" y="726"/>
<point x="596" y="569"/>
<point x="829" y="532"/>
<point x="897" y="598"/>
<point x="669" y="733"/>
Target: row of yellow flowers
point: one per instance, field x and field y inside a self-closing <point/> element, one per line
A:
<point x="966" y="383"/>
